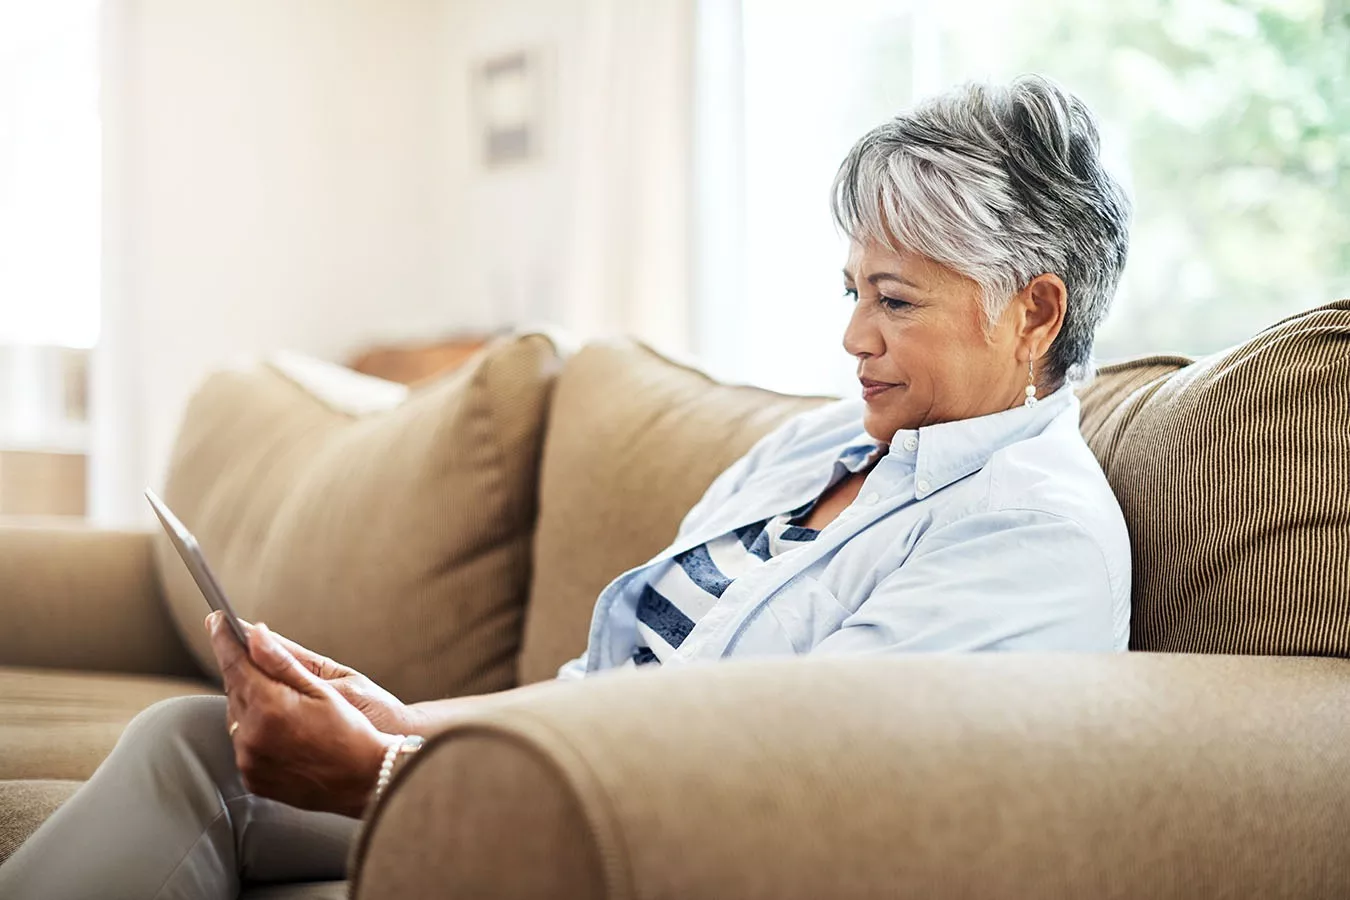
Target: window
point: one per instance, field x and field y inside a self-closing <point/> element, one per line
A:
<point x="49" y="173"/>
<point x="1230" y="119"/>
<point x="49" y="248"/>
<point x="49" y="211"/>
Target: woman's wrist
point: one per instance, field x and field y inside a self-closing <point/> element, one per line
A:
<point x="413" y="720"/>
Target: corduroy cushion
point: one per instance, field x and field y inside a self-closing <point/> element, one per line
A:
<point x="1117" y="381"/>
<point x="634" y="440"/>
<point x="396" y="542"/>
<point x="1234" y="477"/>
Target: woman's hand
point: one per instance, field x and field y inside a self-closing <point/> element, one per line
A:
<point x="297" y="739"/>
<point x="385" y="711"/>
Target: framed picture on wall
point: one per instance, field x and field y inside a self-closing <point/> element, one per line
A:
<point x="509" y="100"/>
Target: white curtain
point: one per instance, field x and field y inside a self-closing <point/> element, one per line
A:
<point x="629" y="256"/>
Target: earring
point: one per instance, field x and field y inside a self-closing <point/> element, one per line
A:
<point x="1031" y="386"/>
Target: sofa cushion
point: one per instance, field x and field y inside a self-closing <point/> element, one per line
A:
<point x="1115" y="382"/>
<point x="1234" y="477"/>
<point x="59" y="724"/>
<point x="24" y="805"/>
<point x="633" y="441"/>
<point x="397" y="541"/>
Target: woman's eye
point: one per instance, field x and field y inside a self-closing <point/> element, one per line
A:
<point x="894" y="304"/>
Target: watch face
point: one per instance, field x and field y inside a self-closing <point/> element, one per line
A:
<point x="414" y="742"/>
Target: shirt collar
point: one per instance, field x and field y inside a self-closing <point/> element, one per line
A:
<point x="859" y="454"/>
<point x="945" y="453"/>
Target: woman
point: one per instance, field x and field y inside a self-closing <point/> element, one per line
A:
<point x="954" y="507"/>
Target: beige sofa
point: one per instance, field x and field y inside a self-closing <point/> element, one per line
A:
<point x="451" y="542"/>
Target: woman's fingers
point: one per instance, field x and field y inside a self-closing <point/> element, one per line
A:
<point x="277" y="662"/>
<point x="319" y="664"/>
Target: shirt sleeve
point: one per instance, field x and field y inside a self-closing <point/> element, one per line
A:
<point x="1007" y="580"/>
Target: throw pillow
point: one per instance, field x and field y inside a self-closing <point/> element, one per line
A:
<point x="1234" y="476"/>
<point x="396" y="541"/>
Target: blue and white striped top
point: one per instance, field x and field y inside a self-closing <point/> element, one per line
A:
<point x="685" y="587"/>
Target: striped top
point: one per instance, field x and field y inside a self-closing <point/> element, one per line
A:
<point x="692" y="582"/>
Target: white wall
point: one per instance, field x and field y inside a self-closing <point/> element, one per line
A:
<point x="513" y="253"/>
<point x="278" y="174"/>
<point x="306" y="174"/>
<point x="595" y="234"/>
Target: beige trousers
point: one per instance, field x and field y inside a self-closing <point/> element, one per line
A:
<point x="167" y="816"/>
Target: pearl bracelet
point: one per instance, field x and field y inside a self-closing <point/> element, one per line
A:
<point x="403" y="745"/>
<point x="387" y="767"/>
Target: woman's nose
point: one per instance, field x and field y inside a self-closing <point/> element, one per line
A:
<point x="861" y="340"/>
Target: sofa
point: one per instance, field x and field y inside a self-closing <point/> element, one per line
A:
<point x="450" y="539"/>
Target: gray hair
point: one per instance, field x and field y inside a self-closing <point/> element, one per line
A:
<point x="1000" y="183"/>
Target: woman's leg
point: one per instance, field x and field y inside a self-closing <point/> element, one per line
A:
<point x="167" y="816"/>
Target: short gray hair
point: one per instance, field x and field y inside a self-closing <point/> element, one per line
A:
<point x="1000" y="183"/>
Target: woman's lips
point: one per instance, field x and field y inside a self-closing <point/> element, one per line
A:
<point x="872" y="388"/>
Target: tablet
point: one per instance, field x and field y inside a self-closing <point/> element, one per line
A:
<point x="187" y="548"/>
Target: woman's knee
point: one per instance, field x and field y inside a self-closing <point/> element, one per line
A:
<point x="192" y="720"/>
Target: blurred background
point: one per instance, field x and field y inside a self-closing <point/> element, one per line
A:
<point x="186" y="183"/>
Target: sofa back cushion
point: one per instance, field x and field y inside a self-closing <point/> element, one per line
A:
<point x="633" y="441"/>
<point x="1234" y="476"/>
<point x="397" y="542"/>
<point x="1115" y="382"/>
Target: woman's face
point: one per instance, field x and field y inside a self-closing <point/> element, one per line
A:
<point x="924" y="353"/>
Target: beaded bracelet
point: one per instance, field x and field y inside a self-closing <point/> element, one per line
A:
<point x="387" y="766"/>
<point x="404" y="745"/>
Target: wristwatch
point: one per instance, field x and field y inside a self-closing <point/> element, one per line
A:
<point x="395" y="756"/>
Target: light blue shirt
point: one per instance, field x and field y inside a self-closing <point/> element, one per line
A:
<point x="993" y="533"/>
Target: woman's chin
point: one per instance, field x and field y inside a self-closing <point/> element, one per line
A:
<point x="881" y="424"/>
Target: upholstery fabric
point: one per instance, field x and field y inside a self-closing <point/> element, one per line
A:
<point x="954" y="776"/>
<point x="633" y="441"/>
<point x="396" y="542"/>
<point x="1234" y="476"/>
<point x="26" y="804"/>
<point x="1114" y="382"/>
<point x="554" y="857"/>
<point x="60" y="725"/>
<point x="80" y="598"/>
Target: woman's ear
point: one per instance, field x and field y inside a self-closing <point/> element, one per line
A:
<point x="1043" y="304"/>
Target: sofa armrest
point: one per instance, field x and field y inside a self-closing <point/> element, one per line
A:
<point x="80" y="598"/>
<point x="1130" y="775"/>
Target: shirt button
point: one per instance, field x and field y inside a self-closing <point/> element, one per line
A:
<point x="911" y="443"/>
<point x="923" y="486"/>
<point x="871" y="498"/>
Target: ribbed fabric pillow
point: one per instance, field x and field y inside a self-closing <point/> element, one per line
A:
<point x="1115" y="382"/>
<point x="634" y="440"/>
<point x="396" y="542"/>
<point x="1234" y="476"/>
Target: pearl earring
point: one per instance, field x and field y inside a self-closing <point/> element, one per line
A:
<point x="1031" y="385"/>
